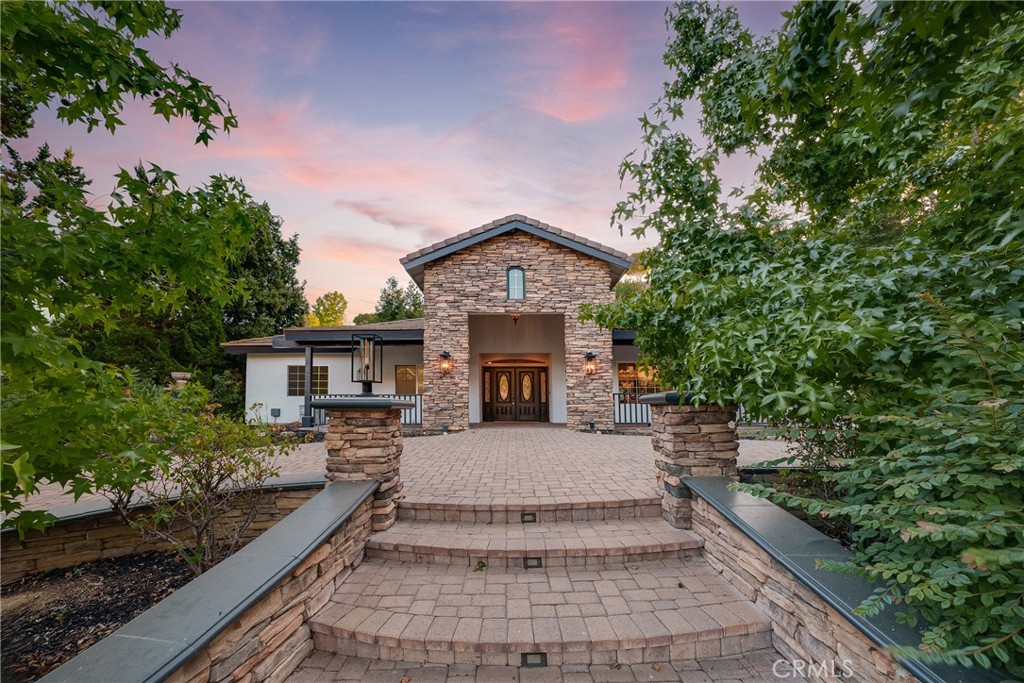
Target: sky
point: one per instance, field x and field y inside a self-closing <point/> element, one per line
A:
<point x="374" y="129"/>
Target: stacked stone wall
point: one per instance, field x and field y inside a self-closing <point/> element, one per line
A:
<point x="367" y="444"/>
<point x="105" y="535"/>
<point x="690" y="441"/>
<point x="804" y="628"/>
<point x="472" y="281"/>
<point x="271" y="638"/>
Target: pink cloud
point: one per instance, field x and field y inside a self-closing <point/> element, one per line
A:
<point x="356" y="250"/>
<point x="582" y="66"/>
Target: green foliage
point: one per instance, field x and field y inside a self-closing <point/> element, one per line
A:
<point x="85" y="59"/>
<point x="152" y="252"/>
<point x="396" y="303"/>
<point x="274" y="298"/>
<point x="364" y="319"/>
<point x="328" y="309"/>
<point x="873" y="272"/>
<point x="205" y="494"/>
<point x="633" y="281"/>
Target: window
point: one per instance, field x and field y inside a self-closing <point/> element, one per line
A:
<point x="516" y="283"/>
<point x="297" y="380"/>
<point x="635" y="382"/>
<point x="408" y="379"/>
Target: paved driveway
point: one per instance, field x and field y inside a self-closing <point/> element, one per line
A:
<point x="499" y="462"/>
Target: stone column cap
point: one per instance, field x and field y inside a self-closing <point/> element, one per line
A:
<point x="668" y="398"/>
<point x="357" y="402"/>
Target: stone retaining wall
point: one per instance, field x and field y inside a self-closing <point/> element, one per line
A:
<point x="87" y="538"/>
<point x="804" y="628"/>
<point x="270" y="639"/>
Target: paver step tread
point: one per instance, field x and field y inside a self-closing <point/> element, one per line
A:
<point x="324" y="667"/>
<point x="579" y="543"/>
<point x="666" y="609"/>
<point x="547" y="509"/>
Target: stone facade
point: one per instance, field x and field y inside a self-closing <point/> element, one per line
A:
<point x="804" y="628"/>
<point x="367" y="444"/>
<point x="473" y="281"/>
<point x="690" y="441"/>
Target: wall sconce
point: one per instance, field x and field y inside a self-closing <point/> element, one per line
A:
<point x="367" y="360"/>
<point x="589" y="362"/>
<point x="515" y="318"/>
<point x="446" y="362"/>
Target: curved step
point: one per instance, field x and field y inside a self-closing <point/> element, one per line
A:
<point x="560" y="544"/>
<point x="510" y="510"/>
<point x="750" y="665"/>
<point x="667" y="610"/>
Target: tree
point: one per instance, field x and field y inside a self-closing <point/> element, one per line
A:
<point x="328" y="309"/>
<point x="396" y="303"/>
<point x="274" y="298"/>
<point x="269" y="298"/>
<point x="68" y="417"/>
<point x="873" y="273"/>
<point x="364" y="319"/>
<point x="633" y="281"/>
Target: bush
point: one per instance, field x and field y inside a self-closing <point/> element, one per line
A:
<point x="207" y="491"/>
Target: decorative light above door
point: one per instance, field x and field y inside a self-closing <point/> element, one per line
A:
<point x="515" y="318"/>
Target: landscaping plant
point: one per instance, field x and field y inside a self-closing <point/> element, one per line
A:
<point x="206" y="492"/>
<point x="873" y="272"/>
<point x="151" y="251"/>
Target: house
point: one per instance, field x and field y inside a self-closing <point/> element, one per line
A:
<point x="501" y="339"/>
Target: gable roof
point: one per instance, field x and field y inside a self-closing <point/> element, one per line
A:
<point x="619" y="262"/>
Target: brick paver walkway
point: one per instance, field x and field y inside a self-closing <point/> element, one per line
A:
<point x="504" y="462"/>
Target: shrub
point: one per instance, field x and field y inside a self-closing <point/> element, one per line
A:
<point x="206" y="492"/>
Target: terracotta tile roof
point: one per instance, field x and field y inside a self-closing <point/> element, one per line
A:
<point x="533" y="222"/>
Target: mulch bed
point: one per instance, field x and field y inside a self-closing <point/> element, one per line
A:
<point x="49" y="618"/>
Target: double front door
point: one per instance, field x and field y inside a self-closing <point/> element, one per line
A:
<point x="518" y="394"/>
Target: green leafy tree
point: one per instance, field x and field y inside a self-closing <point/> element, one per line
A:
<point x="364" y="319"/>
<point x="633" y="281"/>
<point x="872" y="273"/>
<point x="68" y="418"/>
<point x="328" y="309"/>
<point x="153" y="345"/>
<point x="274" y="297"/>
<point x="395" y="303"/>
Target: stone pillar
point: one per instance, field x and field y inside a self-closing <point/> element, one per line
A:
<point x="364" y="441"/>
<point x="689" y="441"/>
<point x="588" y="397"/>
<point x="445" y="394"/>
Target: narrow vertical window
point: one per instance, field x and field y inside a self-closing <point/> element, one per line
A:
<point x="516" y="283"/>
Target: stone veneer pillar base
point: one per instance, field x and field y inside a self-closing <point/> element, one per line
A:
<point x="367" y="444"/>
<point x="689" y="440"/>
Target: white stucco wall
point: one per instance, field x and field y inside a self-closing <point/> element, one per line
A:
<point x="537" y="337"/>
<point x="266" y="378"/>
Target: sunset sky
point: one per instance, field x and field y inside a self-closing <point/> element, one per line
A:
<point x="374" y="129"/>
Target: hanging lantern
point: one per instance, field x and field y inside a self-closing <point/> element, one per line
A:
<point x="367" y="360"/>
